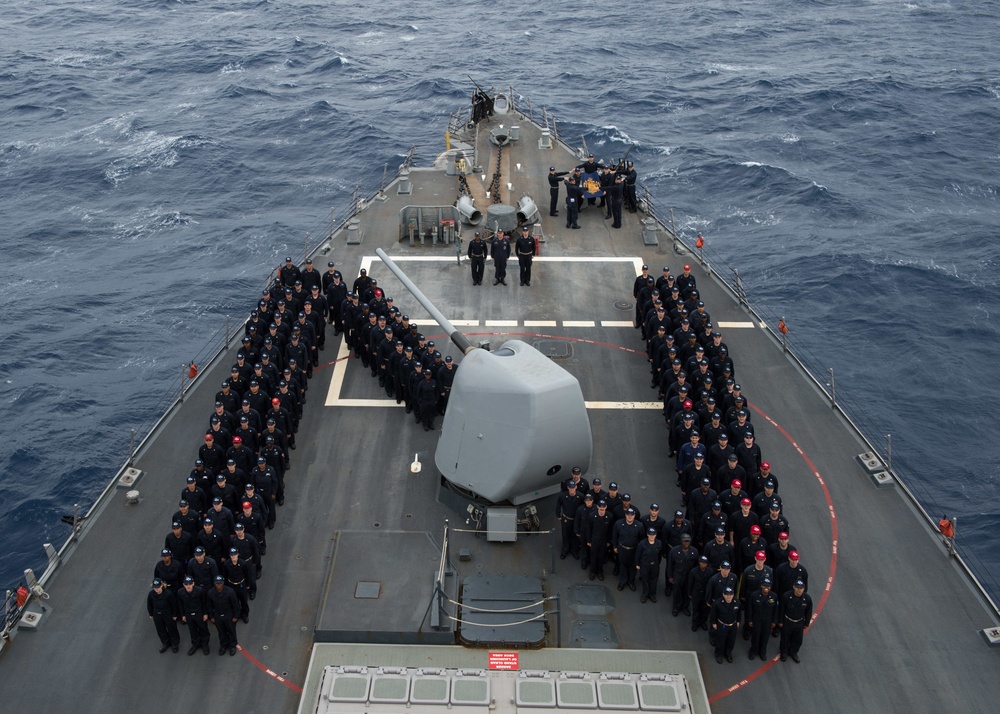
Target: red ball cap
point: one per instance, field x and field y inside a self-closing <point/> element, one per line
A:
<point x="765" y="466"/>
<point x="794" y="555"/>
<point x="761" y="555"/>
<point x="687" y="267"/>
<point x="247" y="504"/>
<point x="237" y="440"/>
<point x="737" y="483"/>
<point x="782" y="536"/>
<point x="275" y="401"/>
<point x="755" y="530"/>
<point x="745" y="502"/>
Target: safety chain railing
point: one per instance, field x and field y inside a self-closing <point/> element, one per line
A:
<point x="855" y="408"/>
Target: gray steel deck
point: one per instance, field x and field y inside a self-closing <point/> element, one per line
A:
<point x="898" y="630"/>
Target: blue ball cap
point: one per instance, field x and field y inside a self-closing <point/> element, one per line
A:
<point x="650" y="531"/>
<point x="157" y="583"/>
<point x="219" y="579"/>
<point x="724" y="564"/>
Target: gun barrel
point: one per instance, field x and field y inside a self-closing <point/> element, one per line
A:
<point x="459" y="340"/>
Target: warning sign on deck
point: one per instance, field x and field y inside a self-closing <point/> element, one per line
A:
<point x="503" y="660"/>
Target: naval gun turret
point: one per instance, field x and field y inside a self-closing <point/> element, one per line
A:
<point x="516" y="422"/>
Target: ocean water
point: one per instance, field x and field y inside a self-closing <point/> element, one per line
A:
<point x="158" y="158"/>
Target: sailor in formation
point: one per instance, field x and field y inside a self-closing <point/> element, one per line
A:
<point x="730" y="493"/>
<point x="212" y="557"/>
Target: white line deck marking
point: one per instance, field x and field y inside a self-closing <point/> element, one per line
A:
<point x="736" y="324"/>
<point x="500" y="323"/>
<point x="540" y="323"/>
<point x="578" y="323"/>
<point x="391" y="403"/>
<point x="616" y="323"/>
<point x="339" y="369"/>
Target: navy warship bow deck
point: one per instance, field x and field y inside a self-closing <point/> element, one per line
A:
<point x="356" y="549"/>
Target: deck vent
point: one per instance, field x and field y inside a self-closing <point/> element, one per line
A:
<point x="882" y="479"/>
<point x="992" y="636"/>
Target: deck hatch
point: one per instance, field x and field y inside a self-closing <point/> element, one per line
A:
<point x="575" y="690"/>
<point x="659" y="693"/>
<point x="349" y="684"/>
<point x="367" y="590"/>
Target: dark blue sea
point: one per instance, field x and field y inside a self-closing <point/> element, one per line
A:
<point x="158" y="158"/>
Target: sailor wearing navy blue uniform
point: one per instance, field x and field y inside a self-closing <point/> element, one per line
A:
<point x="162" y="609"/>
<point x="790" y="572"/>
<point x="625" y="538"/>
<point x="427" y="398"/>
<point x="566" y="507"/>
<point x="525" y="248"/>
<point x="599" y="538"/>
<point x="580" y="528"/>
<point x="725" y="619"/>
<point x="194" y="613"/>
<point x="573" y="196"/>
<point x="249" y="551"/>
<point x="202" y="568"/>
<point x="681" y="560"/>
<point x="630" y="175"/>
<point x="477" y="258"/>
<point x="697" y="588"/>
<point x="168" y="570"/>
<point x="761" y="615"/>
<point x="794" y="613"/>
<point x="239" y="576"/>
<point x="223" y="612"/>
<point x="500" y="252"/>
<point x="554" y="182"/>
<point x="647" y="564"/>
<point x="613" y="193"/>
<point x="180" y="543"/>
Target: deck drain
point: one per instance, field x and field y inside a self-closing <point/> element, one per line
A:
<point x="624" y="305"/>
<point x="376" y="524"/>
<point x="554" y="349"/>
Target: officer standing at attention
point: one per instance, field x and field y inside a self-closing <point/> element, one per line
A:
<point x="477" y="258"/>
<point x="500" y="252"/>
<point x="599" y="538"/>
<point x="566" y="507"/>
<point x="162" y="609"/>
<point x="647" y="564"/>
<point x="573" y="195"/>
<point x="613" y="194"/>
<point x="681" y="560"/>
<point x="525" y="247"/>
<point x="224" y="612"/>
<point x="725" y="619"/>
<point x="194" y="613"/>
<point x="762" y="610"/>
<point x="554" y="182"/>
<point x="427" y="398"/>
<point x="625" y="538"/>
<point x="794" y="613"/>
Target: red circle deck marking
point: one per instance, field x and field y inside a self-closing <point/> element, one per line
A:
<point x="269" y="672"/>
<point x="812" y="468"/>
